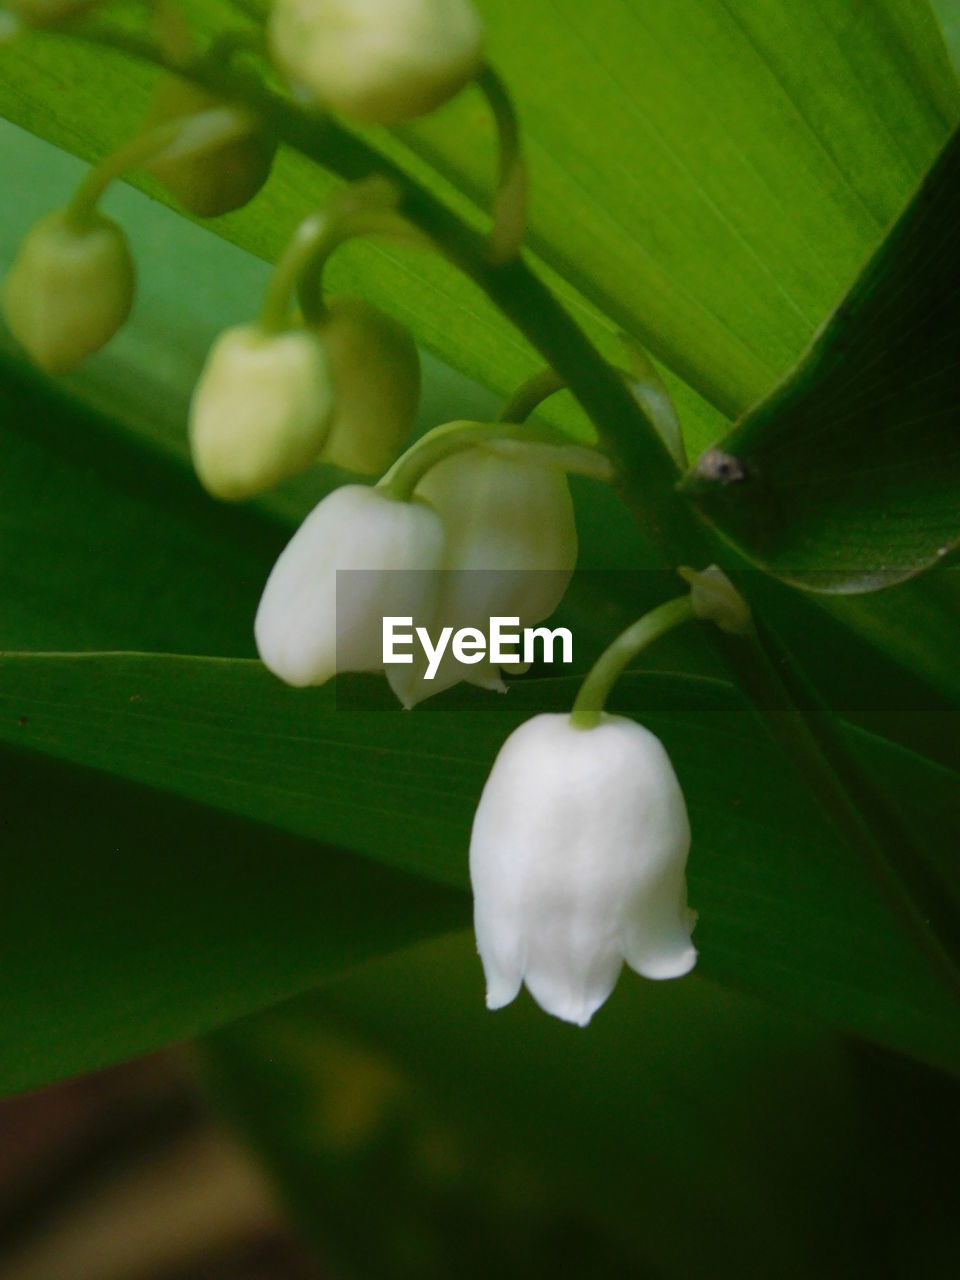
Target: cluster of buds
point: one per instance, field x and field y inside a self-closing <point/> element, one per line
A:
<point x="71" y="286"/>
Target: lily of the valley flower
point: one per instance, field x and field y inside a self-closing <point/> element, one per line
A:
<point x="380" y="61"/>
<point x="261" y="410"/>
<point x="510" y="547"/>
<point x="577" y="861"/>
<point x="70" y="288"/>
<point x="314" y="621"/>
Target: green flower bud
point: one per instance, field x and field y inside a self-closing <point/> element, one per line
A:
<point x="213" y="182"/>
<point x="69" y="290"/>
<point x="380" y="61"/>
<point x="261" y="410"/>
<point x="376" y="380"/>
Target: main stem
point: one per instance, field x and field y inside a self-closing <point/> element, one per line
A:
<point x="647" y="473"/>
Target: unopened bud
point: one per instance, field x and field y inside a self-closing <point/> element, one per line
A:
<point x="69" y="290"/>
<point x="376" y="378"/>
<point x="261" y="410"/>
<point x="211" y="182"/>
<point x="380" y="61"/>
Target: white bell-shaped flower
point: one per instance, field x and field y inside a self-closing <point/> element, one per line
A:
<point x="358" y="557"/>
<point x="261" y="410"/>
<point x="69" y="290"/>
<point x="379" y="61"/>
<point x="510" y="551"/>
<point x="577" y="861"/>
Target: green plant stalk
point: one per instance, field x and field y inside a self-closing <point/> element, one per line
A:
<point x="590" y="701"/>
<point x="548" y="445"/>
<point x="647" y="474"/>
<point x="529" y="395"/>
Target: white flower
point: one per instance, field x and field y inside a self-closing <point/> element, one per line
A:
<point x="312" y="620"/>
<point x="381" y="61"/>
<point x="69" y="290"/>
<point x="510" y="551"/>
<point x="261" y="410"/>
<point x="577" y="861"/>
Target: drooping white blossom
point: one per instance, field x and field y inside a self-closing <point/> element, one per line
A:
<point x="380" y="61"/>
<point x="577" y="861"/>
<point x="510" y="547"/>
<point x="358" y="556"/>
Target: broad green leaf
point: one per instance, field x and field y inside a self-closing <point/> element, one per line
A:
<point x="102" y="545"/>
<point x="785" y="911"/>
<point x="416" y="1134"/>
<point x="948" y="15"/>
<point x="131" y="919"/>
<point x="712" y="174"/>
<point x="637" y="1162"/>
<point x="709" y="176"/>
<point x="917" y="623"/>
<point x="847" y="477"/>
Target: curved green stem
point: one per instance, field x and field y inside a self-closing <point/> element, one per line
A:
<point x="603" y="675"/>
<point x="530" y="394"/>
<point x="541" y="444"/>
<point x="382" y="223"/>
<point x="183" y="137"/>
<point x="363" y="209"/>
<point x="309" y="240"/>
<point x="510" y="201"/>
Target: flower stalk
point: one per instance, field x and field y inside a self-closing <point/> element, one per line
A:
<point x="590" y="702"/>
<point x="542" y="444"/>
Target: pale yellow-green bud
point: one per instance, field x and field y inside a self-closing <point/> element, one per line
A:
<point x="376" y="379"/>
<point x="69" y="290"/>
<point x="213" y="182"/>
<point x="261" y="410"/>
<point x="379" y="61"/>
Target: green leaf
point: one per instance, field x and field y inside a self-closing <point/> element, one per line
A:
<point x="131" y="919"/>
<point x="847" y="478"/>
<point x="105" y="546"/>
<point x="785" y="910"/>
<point x="415" y="1133"/>
<point x="446" y="1073"/>
<point x="713" y="185"/>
